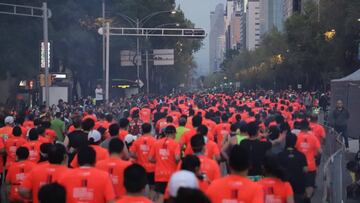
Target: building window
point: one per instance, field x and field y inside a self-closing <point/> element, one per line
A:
<point x="257" y="23"/>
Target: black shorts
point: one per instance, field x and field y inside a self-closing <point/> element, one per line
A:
<point x="151" y="178"/>
<point x="310" y="179"/>
<point x="160" y="187"/>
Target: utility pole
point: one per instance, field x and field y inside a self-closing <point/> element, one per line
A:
<point x="107" y="62"/>
<point x="30" y="11"/>
<point x="46" y="47"/>
<point x="147" y="72"/>
<point x="138" y="56"/>
<point x="104" y="47"/>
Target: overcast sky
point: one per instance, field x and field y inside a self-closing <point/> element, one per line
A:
<point x="198" y="11"/>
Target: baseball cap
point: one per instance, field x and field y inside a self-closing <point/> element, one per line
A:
<point x="9" y="120"/>
<point x="129" y="138"/>
<point x="182" y="179"/>
<point x="95" y="135"/>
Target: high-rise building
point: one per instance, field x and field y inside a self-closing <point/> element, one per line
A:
<point x="242" y="4"/>
<point x="217" y="38"/>
<point x="291" y="7"/>
<point x="271" y="15"/>
<point x="219" y="52"/>
<point x="229" y="9"/>
<point x="235" y="24"/>
<point x="253" y="24"/>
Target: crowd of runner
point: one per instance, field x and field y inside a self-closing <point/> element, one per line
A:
<point x="249" y="147"/>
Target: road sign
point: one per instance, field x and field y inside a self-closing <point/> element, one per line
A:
<point x="129" y="58"/>
<point x="163" y="57"/>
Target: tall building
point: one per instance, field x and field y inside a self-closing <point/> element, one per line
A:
<point x="271" y="15"/>
<point x="220" y="51"/>
<point x="290" y="7"/>
<point x="217" y="38"/>
<point x="229" y="9"/>
<point x="253" y="24"/>
<point x="235" y="24"/>
<point x="242" y="5"/>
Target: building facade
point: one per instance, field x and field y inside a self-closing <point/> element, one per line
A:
<point x="216" y="37"/>
<point x="271" y="15"/>
<point x="290" y="7"/>
<point x="253" y="34"/>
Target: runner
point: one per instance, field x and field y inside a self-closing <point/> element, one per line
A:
<point x="115" y="166"/>
<point x="165" y="154"/>
<point x="86" y="183"/>
<point x="140" y="151"/>
<point x="46" y="173"/>
<point x="17" y="173"/>
<point x="135" y="180"/>
<point x="236" y="187"/>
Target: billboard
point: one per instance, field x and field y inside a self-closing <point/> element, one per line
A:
<point x="163" y="57"/>
<point x="42" y="55"/>
<point x="129" y="58"/>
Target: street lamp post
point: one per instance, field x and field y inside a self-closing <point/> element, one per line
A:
<point x="30" y="11"/>
<point x="107" y="61"/>
<point x="46" y="47"/>
<point x="104" y="47"/>
<point x="138" y="53"/>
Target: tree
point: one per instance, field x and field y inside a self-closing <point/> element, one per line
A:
<point x="302" y="54"/>
<point x="77" y="46"/>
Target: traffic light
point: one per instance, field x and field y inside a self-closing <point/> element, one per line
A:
<point x="51" y="79"/>
<point x="42" y="80"/>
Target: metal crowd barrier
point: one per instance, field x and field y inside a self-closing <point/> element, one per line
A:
<point x="334" y="168"/>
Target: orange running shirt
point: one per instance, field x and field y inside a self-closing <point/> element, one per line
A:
<point x="145" y="115"/>
<point x="101" y="154"/>
<point x="122" y="134"/>
<point x="210" y="168"/>
<point x="16" y="175"/>
<point x="132" y="199"/>
<point x="309" y="145"/>
<point x="87" y="185"/>
<point x="43" y="174"/>
<point x="28" y="124"/>
<point x="164" y="152"/>
<point x="319" y="131"/>
<point x="11" y="146"/>
<point x="34" y="150"/>
<point x="276" y="190"/>
<point x="141" y="147"/>
<point x="50" y="135"/>
<point x="221" y="131"/>
<point x="211" y="150"/>
<point x="6" y="132"/>
<point x="234" y="188"/>
<point x="115" y="167"/>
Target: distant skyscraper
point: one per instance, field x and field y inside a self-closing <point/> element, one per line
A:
<point x="235" y="24"/>
<point x="291" y="7"/>
<point x="242" y="4"/>
<point x="220" y="51"/>
<point x="217" y="38"/>
<point x="253" y="24"/>
<point x="271" y="15"/>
